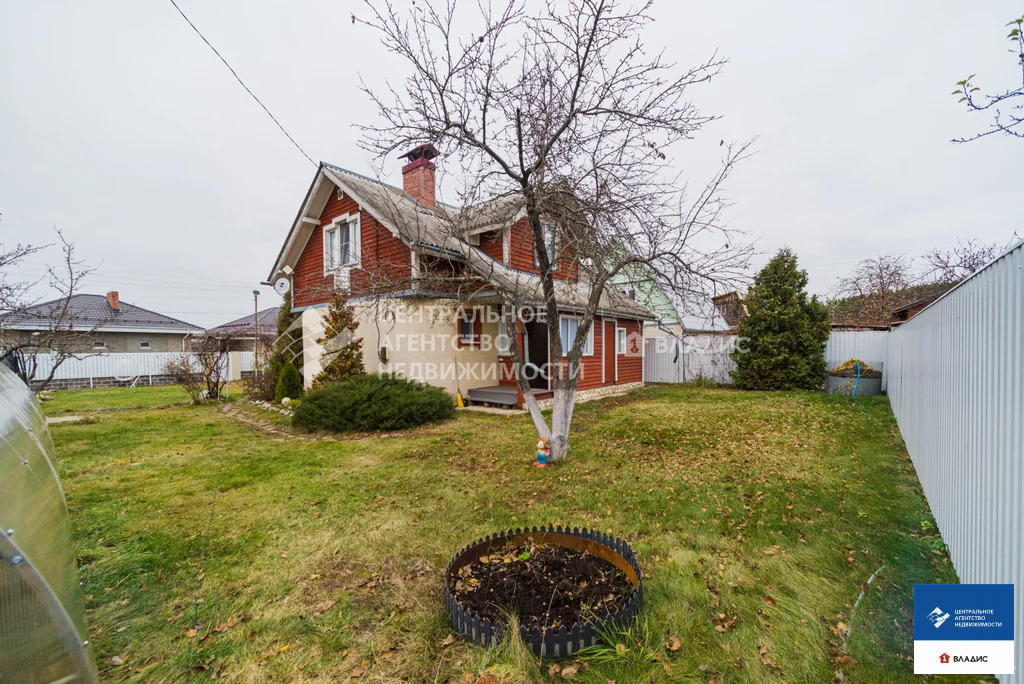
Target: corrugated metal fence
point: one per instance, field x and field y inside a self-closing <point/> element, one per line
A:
<point x="956" y="385"/>
<point x="666" y="360"/>
<point x="669" y="360"/>
<point x="123" y="366"/>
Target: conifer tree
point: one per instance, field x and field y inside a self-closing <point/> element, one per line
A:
<point x="782" y="338"/>
<point x="343" y="353"/>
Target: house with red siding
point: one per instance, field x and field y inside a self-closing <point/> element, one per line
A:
<point x="420" y="276"/>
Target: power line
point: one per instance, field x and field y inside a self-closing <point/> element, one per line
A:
<point x="242" y="83"/>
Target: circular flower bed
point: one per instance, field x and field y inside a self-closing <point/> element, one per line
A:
<point x="562" y="585"/>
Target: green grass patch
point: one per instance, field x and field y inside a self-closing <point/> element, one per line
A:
<point x="755" y="516"/>
<point x="111" y="398"/>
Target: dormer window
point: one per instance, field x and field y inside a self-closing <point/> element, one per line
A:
<point x="341" y="244"/>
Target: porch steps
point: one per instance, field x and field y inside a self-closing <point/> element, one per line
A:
<point x="496" y="395"/>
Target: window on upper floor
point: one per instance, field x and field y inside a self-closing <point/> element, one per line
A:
<point x="569" y="328"/>
<point x="550" y="246"/>
<point x="341" y="244"/>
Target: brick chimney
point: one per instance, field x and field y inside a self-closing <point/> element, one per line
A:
<point x="418" y="174"/>
<point x="113" y="302"/>
<point x="730" y="308"/>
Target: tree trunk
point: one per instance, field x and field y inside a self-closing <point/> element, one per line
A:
<point x="561" y="418"/>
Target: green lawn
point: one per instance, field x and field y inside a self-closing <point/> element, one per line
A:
<point x="756" y="518"/>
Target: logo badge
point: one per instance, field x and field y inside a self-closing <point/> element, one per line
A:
<point x="963" y="628"/>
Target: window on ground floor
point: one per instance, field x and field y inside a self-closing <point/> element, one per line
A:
<point x="620" y="340"/>
<point x="569" y="327"/>
<point x="469" y="326"/>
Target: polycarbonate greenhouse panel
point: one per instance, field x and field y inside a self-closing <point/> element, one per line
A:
<point x="956" y="385"/>
<point x="43" y="634"/>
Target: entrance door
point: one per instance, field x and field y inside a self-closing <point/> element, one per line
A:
<point x="609" y="353"/>
<point x="535" y="337"/>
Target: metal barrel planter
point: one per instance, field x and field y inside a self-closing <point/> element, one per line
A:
<point x="563" y="641"/>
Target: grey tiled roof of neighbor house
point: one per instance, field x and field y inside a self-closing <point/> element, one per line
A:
<point x="88" y="312"/>
<point x="243" y="326"/>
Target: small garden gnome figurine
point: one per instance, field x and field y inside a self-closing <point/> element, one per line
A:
<point x="543" y="451"/>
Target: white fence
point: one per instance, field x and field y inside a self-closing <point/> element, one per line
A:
<point x="956" y="386"/>
<point x="666" y="360"/>
<point x="120" y="366"/>
<point x="669" y="360"/>
<point x="127" y="366"/>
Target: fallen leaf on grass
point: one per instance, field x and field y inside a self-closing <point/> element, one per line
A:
<point x="117" y="661"/>
<point x="769" y="600"/>
<point x="570" y="671"/>
<point x="673" y="643"/>
<point x="554" y="669"/>
<point x="448" y="641"/>
<point x="191" y="633"/>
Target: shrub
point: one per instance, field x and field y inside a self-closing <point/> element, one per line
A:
<point x="289" y="382"/>
<point x="371" y="403"/>
<point x="784" y="334"/>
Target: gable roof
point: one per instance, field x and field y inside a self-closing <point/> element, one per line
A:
<point x="267" y="322"/>
<point x="89" y="311"/>
<point x="428" y="230"/>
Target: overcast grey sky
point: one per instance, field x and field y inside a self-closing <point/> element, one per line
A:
<point x="118" y="125"/>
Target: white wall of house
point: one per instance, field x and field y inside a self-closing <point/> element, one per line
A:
<point x="422" y="341"/>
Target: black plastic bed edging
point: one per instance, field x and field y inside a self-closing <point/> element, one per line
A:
<point x="551" y="643"/>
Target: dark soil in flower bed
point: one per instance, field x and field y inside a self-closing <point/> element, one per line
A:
<point x="544" y="585"/>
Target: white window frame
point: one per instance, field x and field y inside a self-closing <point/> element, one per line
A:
<point x="589" y="345"/>
<point x="99" y="344"/>
<point x="146" y="346"/>
<point x="548" y="229"/>
<point x="332" y="261"/>
<point x="621" y="338"/>
<point x="505" y="338"/>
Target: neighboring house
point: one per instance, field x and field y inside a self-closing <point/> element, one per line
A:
<point x="239" y="332"/>
<point x="637" y="284"/>
<point x="388" y="247"/>
<point x="911" y="309"/>
<point x="109" y="324"/>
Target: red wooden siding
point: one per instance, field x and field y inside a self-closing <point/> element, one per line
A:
<point x="385" y="258"/>
<point x="590" y="366"/>
<point x="631" y="365"/>
<point x="492" y="244"/>
<point x="609" y="352"/>
<point x="521" y="255"/>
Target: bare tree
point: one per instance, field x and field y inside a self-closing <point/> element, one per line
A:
<point x="202" y="370"/>
<point x="565" y="117"/>
<point x="1007" y="107"/>
<point x="952" y="266"/>
<point x="51" y="328"/>
<point x="877" y="284"/>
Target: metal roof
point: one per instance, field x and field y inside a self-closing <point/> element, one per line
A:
<point x="89" y="311"/>
<point x="243" y="326"/>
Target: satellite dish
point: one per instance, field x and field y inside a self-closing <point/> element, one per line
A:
<point x="282" y="286"/>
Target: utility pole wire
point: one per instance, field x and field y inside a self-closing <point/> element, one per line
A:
<point x="242" y="83"/>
